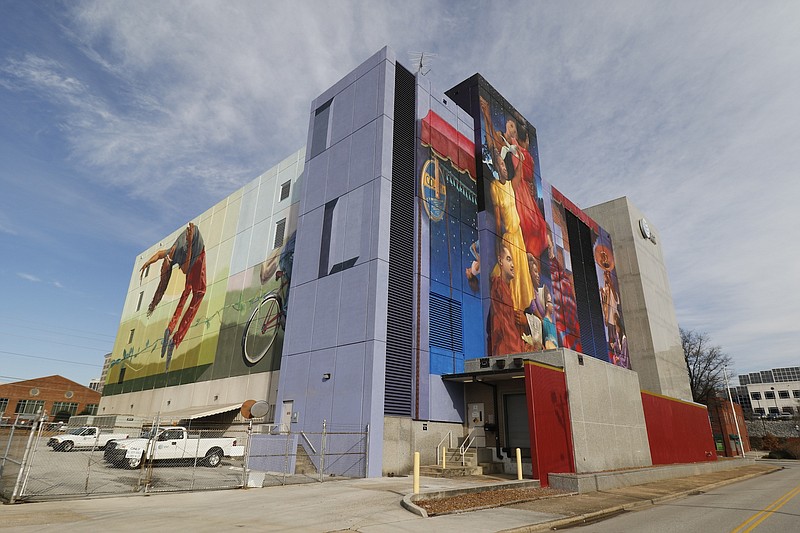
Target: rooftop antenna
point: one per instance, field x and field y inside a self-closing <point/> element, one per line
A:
<point x="422" y="60"/>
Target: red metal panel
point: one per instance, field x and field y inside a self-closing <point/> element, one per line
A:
<point x="679" y="432"/>
<point x="549" y="421"/>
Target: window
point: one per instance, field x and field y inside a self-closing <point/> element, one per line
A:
<point x="285" y="190"/>
<point x="774" y="411"/>
<point x="130" y="338"/>
<point x="64" y="407"/>
<point x="759" y="410"/>
<point x="769" y="395"/>
<point x="3" y="405"/>
<point x="796" y="393"/>
<point x="756" y="395"/>
<point x="788" y="411"/>
<point x="29" y="407"/>
<point x="91" y="408"/>
<point x="139" y="303"/>
<point x="783" y="394"/>
<point x="319" y="137"/>
<point x="280" y="229"/>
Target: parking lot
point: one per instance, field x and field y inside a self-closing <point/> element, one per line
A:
<point x="55" y="474"/>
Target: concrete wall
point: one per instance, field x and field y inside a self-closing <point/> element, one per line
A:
<point x="404" y="436"/>
<point x="336" y="325"/>
<point x="608" y="425"/>
<point x="652" y="329"/>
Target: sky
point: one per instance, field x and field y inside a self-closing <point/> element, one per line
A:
<point x="119" y="121"/>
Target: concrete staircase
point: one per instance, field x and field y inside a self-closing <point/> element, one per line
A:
<point x="453" y="466"/>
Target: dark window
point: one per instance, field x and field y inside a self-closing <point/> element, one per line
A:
<point x="783" y="394"/>
<point x="319" y="137"/>
<point x="788" y="410"/>
<point x="91" y="408"/>
<point x="756" y="395"/>
<point x="759" y="410"/>
<point x="280" y="229"/>
<point x="285" y="190"/>
<point x="769" y="395"/>
<point x="774" y="410"/>
<point x="3" y="404"/>
<point x="147" y="271"/>
<point x="130" y="337"/>
<point x="29" y="407"/>
<point x="796" y="393"/>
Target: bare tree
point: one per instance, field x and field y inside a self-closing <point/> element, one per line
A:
<point x="705" y="363"/>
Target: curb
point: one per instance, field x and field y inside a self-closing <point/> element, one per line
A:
<point x="587" y="517"/>
<point x="408" y="500"/>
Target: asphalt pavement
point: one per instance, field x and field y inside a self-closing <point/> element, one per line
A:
<point x="365" y="505"/>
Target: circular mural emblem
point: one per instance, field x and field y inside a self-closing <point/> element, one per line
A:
<point x="434" y="191"/>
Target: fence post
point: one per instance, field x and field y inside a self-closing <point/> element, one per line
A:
<point x="286" y="455"/>
<point x="246" y="474"/>
<point x="17" y="486"/>
<point x="322" y="450"/>
<point x="366" y="455"/>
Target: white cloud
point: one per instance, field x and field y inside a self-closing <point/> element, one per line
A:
<point x="29" y="277"/>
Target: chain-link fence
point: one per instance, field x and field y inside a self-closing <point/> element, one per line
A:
<point x="280" y="457"/>
<point x="40" y="461"/>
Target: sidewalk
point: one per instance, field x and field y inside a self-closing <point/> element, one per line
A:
<point x="366" y="505"/>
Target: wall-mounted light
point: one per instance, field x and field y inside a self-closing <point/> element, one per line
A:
<point x="501" y="364"/>
<point x="485" y="362"/>
<point x="518" y="362"/>
<point x="326" y="376"/>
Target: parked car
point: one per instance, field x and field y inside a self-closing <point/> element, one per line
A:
<point x="83" y="437"/>
<point x="173" y="443"/>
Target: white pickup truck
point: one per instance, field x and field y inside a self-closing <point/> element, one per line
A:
<point x="173" y="443"/>
<point x="83" y="437"/>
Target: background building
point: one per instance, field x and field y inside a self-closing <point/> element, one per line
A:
<point x="427" y="281"/>
<point x="56" y="397"/>
<point x="773" y="392"/>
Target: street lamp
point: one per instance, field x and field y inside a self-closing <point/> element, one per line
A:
<point x="735" y="418"/>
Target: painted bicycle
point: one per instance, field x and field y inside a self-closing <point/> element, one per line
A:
<point x="261" y="329"/>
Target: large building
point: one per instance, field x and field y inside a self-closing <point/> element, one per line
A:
<point x="410" y="273"/>
<point x="55" y="397"/>
<point x="774" y="392"/>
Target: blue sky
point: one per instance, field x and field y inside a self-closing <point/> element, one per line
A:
<point x="119" y="121"/>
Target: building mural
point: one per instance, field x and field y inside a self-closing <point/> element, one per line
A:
<point x="210" y="300"/>
<point x="448" y="191"/>
<point x="550" y="268"/>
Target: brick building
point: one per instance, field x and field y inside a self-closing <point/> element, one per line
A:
<point x="723" y="426"/>
<point x="57" y="397"/>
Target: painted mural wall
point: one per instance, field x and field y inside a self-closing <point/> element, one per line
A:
<point x="547" y="267"/>
<point x="209" y="301"/>
<point x="448" y="190"/>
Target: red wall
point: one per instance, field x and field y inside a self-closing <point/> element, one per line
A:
<point x="679" y="432"/>
<point x="548" y="420"/>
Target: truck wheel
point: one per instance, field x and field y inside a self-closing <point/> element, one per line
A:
<point x="213" y="458"/>
<point x="67" y="446"/>
<point x="134" y="462"/>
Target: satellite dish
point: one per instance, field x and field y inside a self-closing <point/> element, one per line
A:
<point x="259" y="409"/>
<point x="246" y="409"/>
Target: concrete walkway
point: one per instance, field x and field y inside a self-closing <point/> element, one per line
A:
<point x="366" y="505"/>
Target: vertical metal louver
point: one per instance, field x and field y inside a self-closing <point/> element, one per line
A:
<point x="445" y="323"/>
<point x="399" y="322"/>
<point x="587" y="291"/>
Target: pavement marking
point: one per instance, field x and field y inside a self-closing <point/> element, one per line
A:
<point x="759" y="517"/>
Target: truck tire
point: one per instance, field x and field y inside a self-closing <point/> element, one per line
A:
<point x="213" y="458"/>
<point x="134" y="462"/>
<point x="67" y="446"/>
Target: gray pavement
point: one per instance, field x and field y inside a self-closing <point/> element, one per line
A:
<point x="366" y="505"/>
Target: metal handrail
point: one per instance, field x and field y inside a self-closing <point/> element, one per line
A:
<point x="308" y="442"/>
<point x="470" y="438"/>
<point x="449" y="437"/>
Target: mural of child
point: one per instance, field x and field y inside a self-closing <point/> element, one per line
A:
<point x="548" y="327"/>
<point x="189" y="254"/>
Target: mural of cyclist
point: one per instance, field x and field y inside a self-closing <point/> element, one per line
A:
<point x="189" y="254"/>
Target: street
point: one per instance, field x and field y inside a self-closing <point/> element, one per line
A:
<point x="736" y="508"/>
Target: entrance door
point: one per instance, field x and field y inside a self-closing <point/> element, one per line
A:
<point x="516" y="418"/>
<point x="286" y="415"/>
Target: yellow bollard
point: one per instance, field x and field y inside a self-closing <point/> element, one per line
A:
<point x="444" y="457"/>
<point x="416" y="472"/>
<point x="519" y="464"/>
